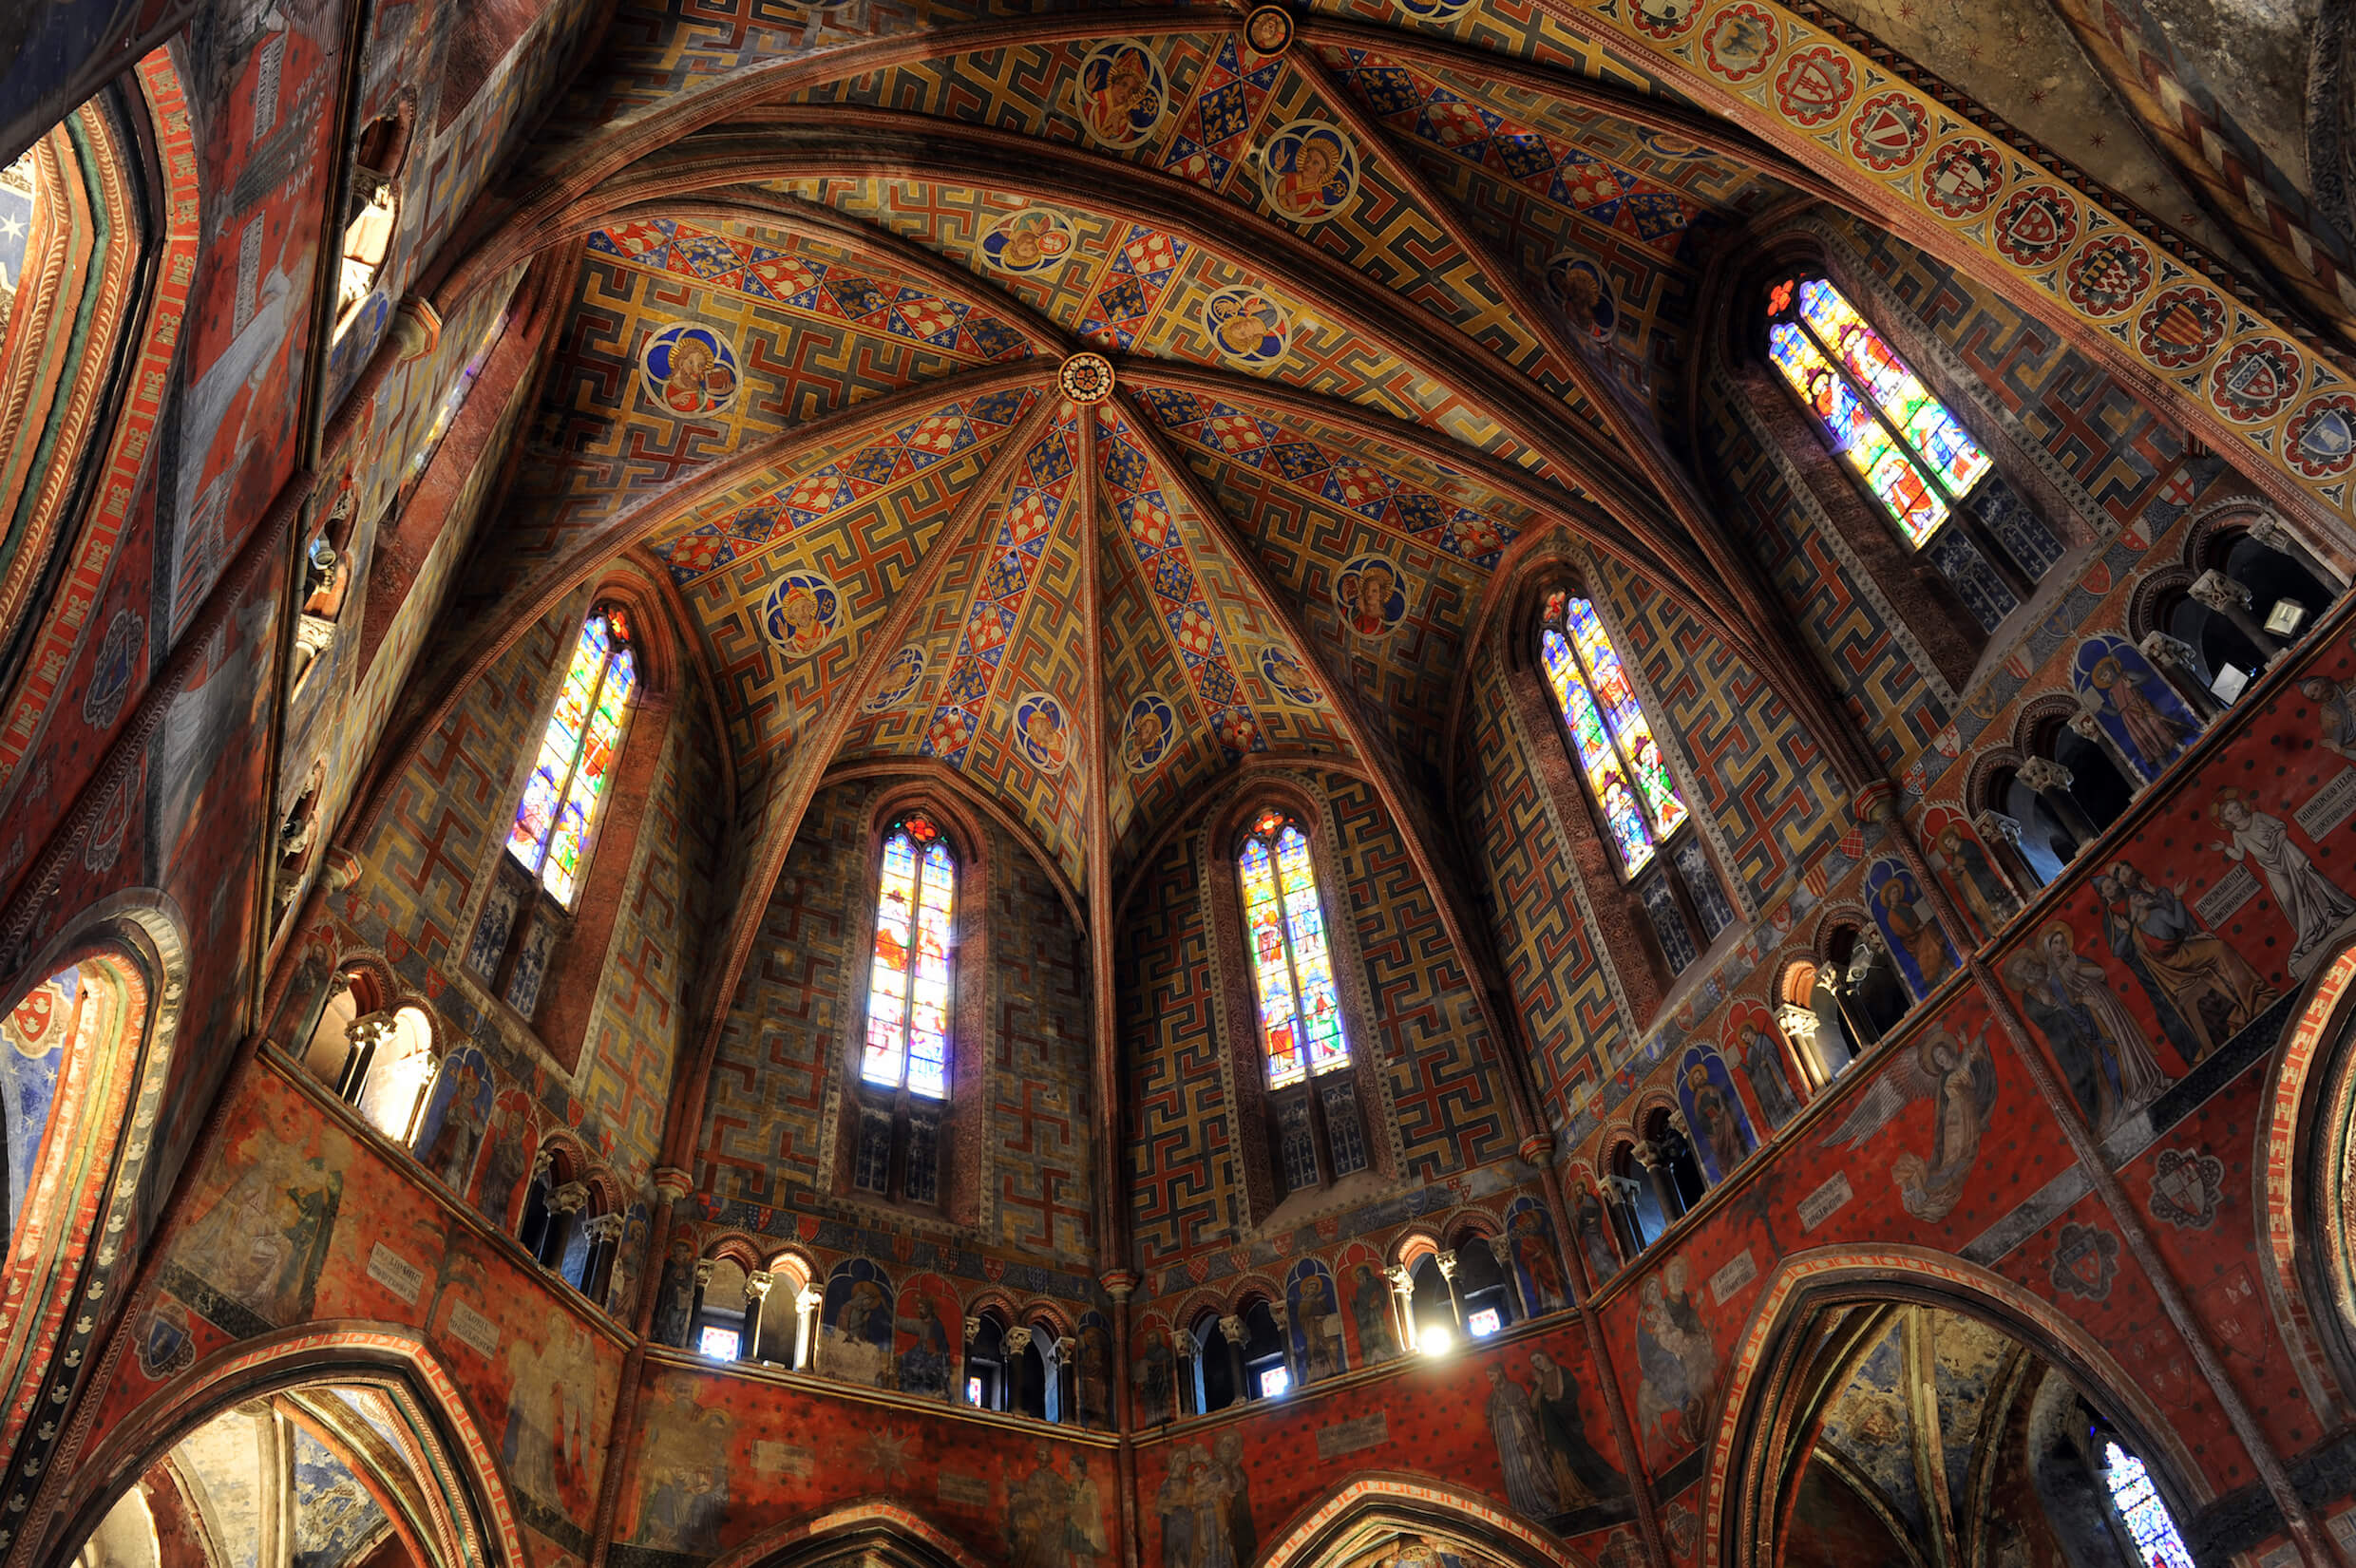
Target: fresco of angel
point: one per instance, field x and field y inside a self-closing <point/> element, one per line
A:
<point x="1960" y="1082"/>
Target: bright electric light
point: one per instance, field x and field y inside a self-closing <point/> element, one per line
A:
<point x="1435" y="1340"/>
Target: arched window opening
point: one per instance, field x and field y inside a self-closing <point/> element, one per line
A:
<point x="352" y="996"/>
<point x="1674" y="1159"/>
<point x="721" y="1313"/>
<point x="1267" y="1375"/>
<point x="2260" y="592"/>
<point x="529" y="906"/>
<point x="2064" y="796"/>
<point x="554" y="1203"/>
<point x="904" y="1069"/>
<point x="1318" y="1133"/>
<point x="372" y="215"/>
<point x="1628" y="781"/>
<point x="1431" y="1313"/>
<point x="985" y="1363"/>
<point x="1867" y="990"/>
<point x="1808" y="1015"/>
<point x="1636" y="1206"/>
<point x="1482" y="1289"/>
<point x="388" y="1068"/>
<point x="1934" y="482"/>
<point x="1215" y="1380"/>
<point x="2037" y="832"/>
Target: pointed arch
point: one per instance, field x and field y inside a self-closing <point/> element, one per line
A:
<point x="1358" y="1516"/>
<point x="2302" y="1177"/>
<point x="1765" y="1387"/>
<point x="871" y="1530"/>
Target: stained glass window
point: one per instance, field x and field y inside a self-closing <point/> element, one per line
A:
<point x="1292" y="967"/>
<point x="2157" y="1544"/>
<point x="908" y="987"/>
<point x="575" y="771"/>
<point x="1615" y="742"/>
<point x="1902" y="442"/>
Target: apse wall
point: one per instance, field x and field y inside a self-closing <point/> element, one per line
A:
<point x="423" y="872"/>
<point x="1022" y="1191"/>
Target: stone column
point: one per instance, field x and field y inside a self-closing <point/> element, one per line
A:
<point x="695" y="1305"/>
<point x="1232" y="1328"/>
<point x="2086" y="724"/>
<point x="604" y="1233"/>
<point x="1799" y="1025"/>
<point x="1501" y="1248"/>
<point x="756" y="1307"/>
<point x="1066" y="1374"/>
<point x="2178" y="663"/>
<point x="973" y="1332"/>
<point x="2002" y="834"/>
<point x="2232" y="600"/>
<point x="1017" y="1340"/>
<point x="1298" y="1371"/>
<point x="2277" y="535"/>
<point x="1448" y="1274"/>
<point x="1403" y="1302"/>
<point x="1664" y="1185"/>
<point x="2052" y="781"/>
<point x="806" y="1304"/>
<point x="1183" y="1348"/>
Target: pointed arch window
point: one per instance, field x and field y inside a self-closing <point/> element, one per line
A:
<point x="1628" y="780"/>
<point x="575" y="771"/>
<point x="1911" y="452"/>
<point x="2156" y="1539"/>
<point x="1319" y="1136"/>
<point x="903" y="1069"/>
<point x="528" y="908"/>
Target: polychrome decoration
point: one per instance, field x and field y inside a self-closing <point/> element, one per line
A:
<point x="1249" y="328"/>
<point x="803" y="610"/>
<point x="576" y="767"/>
<point x="1292" y="969"/>
<point x="1615" y="741"/>
<point x="908" y="987"/>
<point x="691" y="369"/>
<point x="1032" y="240"/>
<point x="1312" y="170"/>
<point x="1122" y="93"/>
<point x="1912" y="455"/>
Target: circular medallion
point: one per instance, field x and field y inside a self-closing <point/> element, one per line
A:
<point x="1248" y="327"/>
<point x="1814" y="86"/>
<point x="1741" y="41"/>
<point x="2183" y="325"/>
<point x="1283" y="671"/>
<point x="803" y="611"/>
<point x="1311" y="171"/>
<point x="1040" y="730"/>
<point x="1580" y="286"/>
<point x="2110" y="275"/>
<point x="2255" y="381"/>
<point x="1434" y="10"/>
<point x="2035" y="225"/>
<point x="2321" y="439"/>
<point x="1963" y="177"/>
<point x="1122" y="92"/>
<point x="1032" y="240"/>
<point x="1888" y="131"/>
<point x="1268" y="30"/>
<point x="690" y="369"/>
<point x="1146" y="740"/>
<point x="1085" y="378"/>
<point x="897" y="679"/>
<point x="1371" y="595"/>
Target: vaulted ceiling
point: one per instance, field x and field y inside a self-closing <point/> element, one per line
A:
<point x="1385" y="304"/>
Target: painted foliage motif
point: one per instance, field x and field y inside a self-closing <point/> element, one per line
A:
<point x="2130" y="700"/>
<point x="1923" y="953"/>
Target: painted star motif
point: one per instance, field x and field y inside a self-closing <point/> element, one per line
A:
<point x="886" y="1453"/>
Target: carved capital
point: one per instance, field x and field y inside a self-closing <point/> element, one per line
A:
<point x="1501" y="1248"/>
<point x="1066" y="1347"/>
<point x="2169" y="652"/>
<point x="1877" y="801"/>
<point x="973" y="1331"/>
<point x="2087" y="727"/>
<point x="808" y="1300"/>
<point x="1118" y="1284"/>
<point x="758" y="1282"/>
<point x="343" y="869"/>
<point x="2220" y="593"/>
<point x="417" y="326"/>
<point x="370" y="1028"/>
<point x="1402" y="1278"/>
<point x="671" y="1182"/>
<point x="1233" y="1328"/>
<point x="1994" y="824"/>
<point x="2271" y="531"/>
<point x="601" y="1227"/>
<point x="703" y="1271"/>
<point x="1537" y="1148"/>
<point x="1648" y="1154"/>
<point x="2044" y="775"/>
<point x="1448" y="1264"/>
<point x="1016" y="1341"/>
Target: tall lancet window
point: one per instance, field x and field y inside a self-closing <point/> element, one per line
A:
<point x="1301" y="1032"/>
<point x="1912" y="453"/>
<point x="575" y="773"/>
<point x="904" y="1069"/>
<point x="1634" y="793"/>
<point x="528" y="907"/>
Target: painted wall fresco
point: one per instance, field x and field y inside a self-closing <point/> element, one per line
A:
<point x="301" y="1218"/>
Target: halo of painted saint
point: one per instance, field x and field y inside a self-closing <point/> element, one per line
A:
<point x="1283" y="671"/>
<point x="1041" y="730"/>
<point x="803" y="610"/>
<point x="691" y="369"/>
<point x="897" y="679"/>
<point x="1032" y="240"/>
<point x="1123" y="93"/>
<point x="1311" y="169"/>
<point x="1585" y="295"/>
<point x="1246" y="326"/>
<point x="1146" y="740"/>
<point x="1371" y="595"/>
